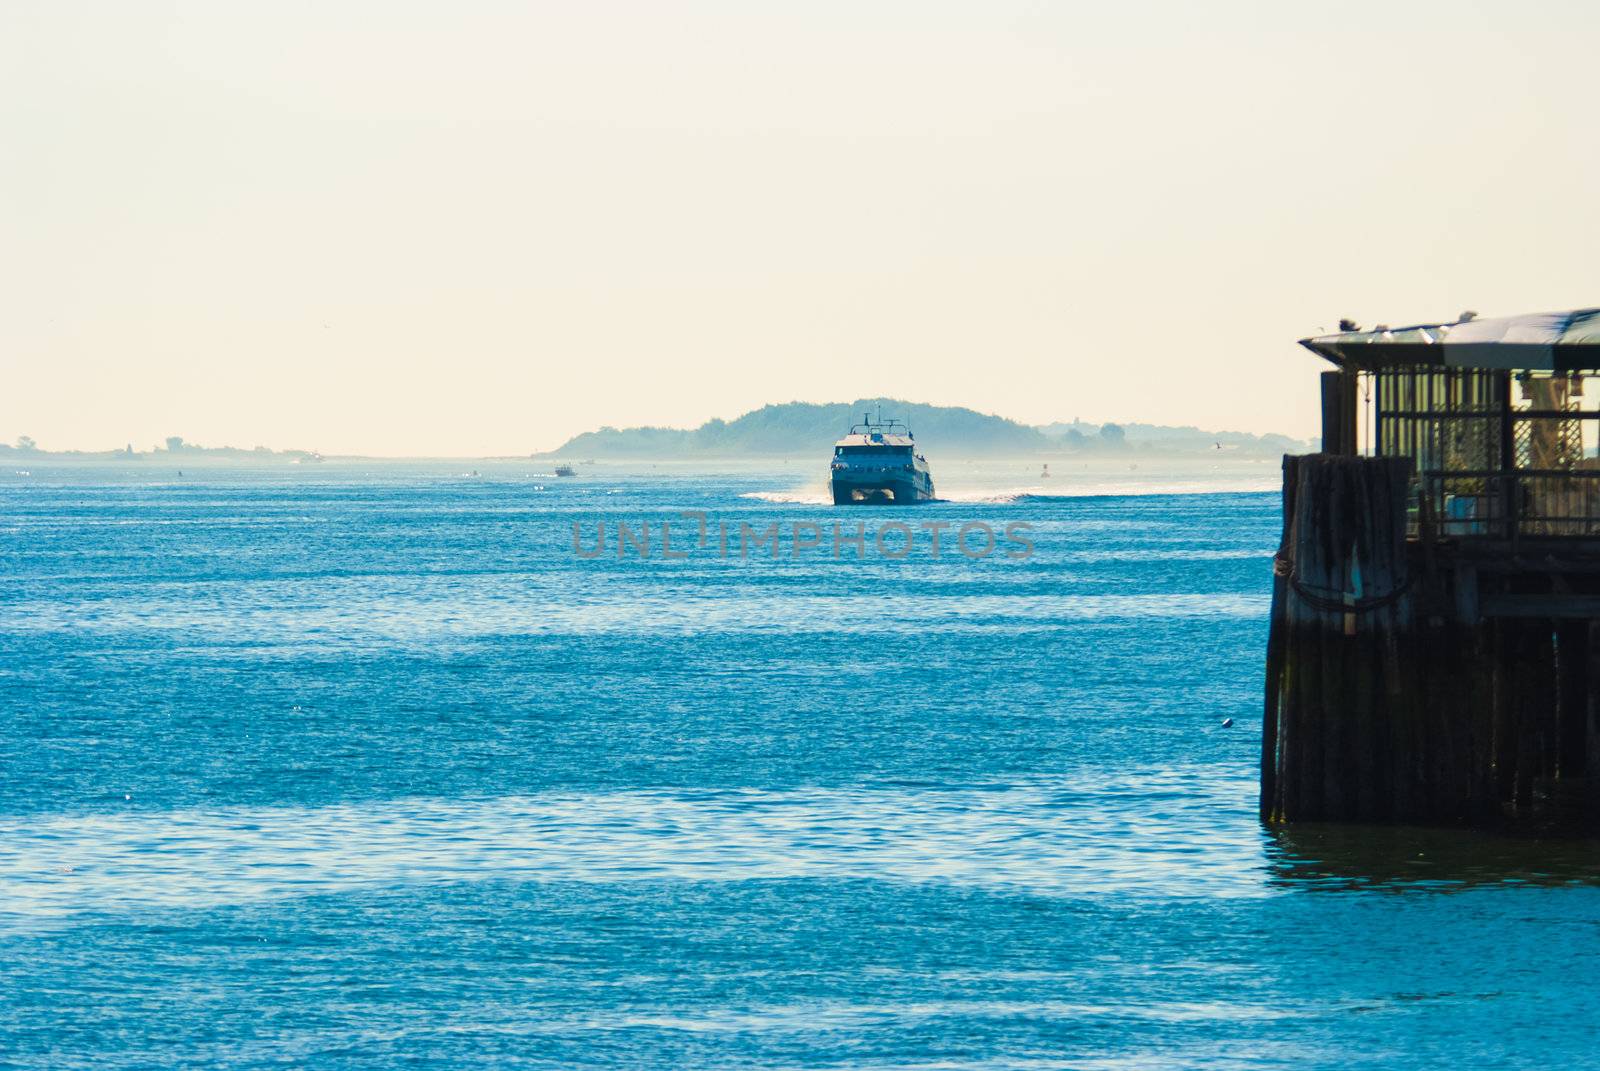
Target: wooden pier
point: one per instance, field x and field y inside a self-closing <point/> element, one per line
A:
<point x="1434" y="654"/>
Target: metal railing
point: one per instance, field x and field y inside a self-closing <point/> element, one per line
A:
<point x="1497" y="504"/>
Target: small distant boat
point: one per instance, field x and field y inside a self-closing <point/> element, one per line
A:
<point x="877" y="464"/>
<point x="313" y="458"/>
<point x="566" y="470"/>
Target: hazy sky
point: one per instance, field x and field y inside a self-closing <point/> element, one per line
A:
<point x="469" y="227"/>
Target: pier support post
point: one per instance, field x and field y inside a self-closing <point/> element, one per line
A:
<point x="1339" y="413"/>
<point x="1341" y="731"/>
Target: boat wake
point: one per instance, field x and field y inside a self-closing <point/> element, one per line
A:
<point x="801" y="497"/>
<point x="822" y="498"/>
<point x="1064" y="491"/>
<point x="979" y="496"/>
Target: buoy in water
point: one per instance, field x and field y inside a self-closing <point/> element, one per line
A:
<point x="1227" y="723"/>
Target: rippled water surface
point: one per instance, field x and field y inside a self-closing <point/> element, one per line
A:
<point x="368" y="768"/>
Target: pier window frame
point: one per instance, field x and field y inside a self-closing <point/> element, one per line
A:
<point x="1496" y="453"/>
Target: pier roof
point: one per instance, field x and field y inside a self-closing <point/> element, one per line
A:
<point x="1553" y="341"/>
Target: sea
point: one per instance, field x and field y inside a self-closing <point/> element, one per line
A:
<point x="464" y="765"/>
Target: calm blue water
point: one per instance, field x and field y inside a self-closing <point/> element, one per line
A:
<point x="348" y="769"/>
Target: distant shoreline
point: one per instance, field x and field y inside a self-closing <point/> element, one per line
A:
<point x="1063" y="465"/>
<point x="788" y="431"/>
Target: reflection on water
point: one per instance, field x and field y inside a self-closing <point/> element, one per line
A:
<point x="1178" y="832"/>
<point x="1354" y="857"/>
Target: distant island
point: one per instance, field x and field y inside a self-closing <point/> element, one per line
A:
<point x="807" y="429"/>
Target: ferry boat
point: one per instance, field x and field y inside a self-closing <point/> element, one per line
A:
<point x="878" y="464"/>
<point x="566" y="470"/>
